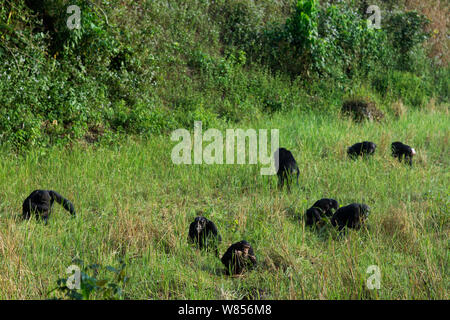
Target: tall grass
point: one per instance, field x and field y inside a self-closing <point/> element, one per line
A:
<point x="134" y="204"/>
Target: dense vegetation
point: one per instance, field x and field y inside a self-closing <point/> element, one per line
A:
<point x="148" y="67"/>
<point x="88" y="112"/>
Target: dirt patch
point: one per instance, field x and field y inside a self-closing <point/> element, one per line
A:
<point x="94" y="133"/>
<point x="361" y="109"/>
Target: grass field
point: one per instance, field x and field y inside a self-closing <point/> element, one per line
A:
<point x="134" y="204"/>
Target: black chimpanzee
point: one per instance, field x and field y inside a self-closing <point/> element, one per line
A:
<point x="401" y="150"/>
<point x="40" y="203"/>
<point x="238" y="258"/>
<point x="320" y="208"/>
<point x="286" y="166"/>
<point x="204" y="234"/>
<point x="351" y="216"/>
<point x="361" y="149"/>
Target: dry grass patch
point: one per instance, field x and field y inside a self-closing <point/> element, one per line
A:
<point x="13" y="266"/>
<point x="438" y="12"/>
<point x="361" y="108"/>
<point x="399" y="227"/>
<point x="136" y="232"/>
<point x="384" y="144"/>
<point x="399" y="109"/>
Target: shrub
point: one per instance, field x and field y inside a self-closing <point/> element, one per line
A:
<point x="332" y="40"/>
<point x="413" y="90"/>
<point x="294" y="47"/>
<point x="362" y="108"/>
<point x="240" y="21"/>
<point x="406" y="30"/>
<point x="91" y="287"/>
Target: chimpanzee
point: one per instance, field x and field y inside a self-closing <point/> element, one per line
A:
<point x="361" y="149"/>
<point x="351" y="216"/>
<point x="40" y="203"/>
<point x="319" y="209"/>
<point x="238" y="258"/>
<point x="204" y="234"/>
<point x="286" y="166"/>
<point x="400" y="151"/>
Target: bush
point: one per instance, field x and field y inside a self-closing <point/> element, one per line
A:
<point x="397" y="85"/>
<point x="91" y="287"/>
<point x="332" y="41"/>
<point x="240" y="22"/>
<point x="413" y="90"/>
<point x="406" y="30"/>
<point x="294" y="47"/>
<point x="56" y="83"/>
<point x="352" y="48"/>
<point x="131" y="70"/>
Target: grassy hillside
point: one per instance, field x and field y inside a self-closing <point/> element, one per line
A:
<point x="89" y="113"/>
<point x="135" y="205"/>
<point x="148" y="67"/>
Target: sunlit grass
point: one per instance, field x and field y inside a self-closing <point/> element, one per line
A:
<point x="134" y="204"/>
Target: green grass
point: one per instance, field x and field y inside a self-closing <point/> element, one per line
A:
<point x="134" y="204"/>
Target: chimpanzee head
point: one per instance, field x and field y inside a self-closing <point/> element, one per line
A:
<point x="364" y="210"/>
<point x="244" y="246"/>
<point x="200" y="224"/>
<point x="370" y="147"/>
<point x="333" y="204"/>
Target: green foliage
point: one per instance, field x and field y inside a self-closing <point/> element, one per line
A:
<point x="130" y="70"/>
<point x="68" y="80"/>
<point x="406" y="30"/>
<point x="412" y="90"/>
<point x="144" y="68"/>
<point x="441" y="85"/>
<point x="332" y="40"/>
<point x="240" y="22"/>
<point x="294" y="47"/>
<point x="93" y="286"/>
<point x="352" y="48"/>
<point x="301" y="32"/>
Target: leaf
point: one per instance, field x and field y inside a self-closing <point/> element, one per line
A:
<point x="112" y="269"/>
<point x="101" y="283"/>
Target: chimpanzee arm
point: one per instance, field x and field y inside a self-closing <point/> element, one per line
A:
<point x="62" y="201"/>
<point x="251" y="255"/>
<point x="226" y="258"/>
<point x="410" y="160"/>
<point x="212" y="227"/>
<point x="192" y="232"/>
<point x="26" y="208"/>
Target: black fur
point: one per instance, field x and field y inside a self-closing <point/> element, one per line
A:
<point x="40" y="203"/>
<point x="402" y="151"/>
<point x="351" y="216"/>
<point x="361" y="149"/>
<point x="236" y="261"/>
<point x="286" y="167"/>
<point x="320" y="208"/>
<point x="204" y="234"/>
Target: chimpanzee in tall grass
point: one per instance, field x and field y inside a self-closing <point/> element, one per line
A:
<point x="351" y="216"/>
<point x="364" y="148"/>
<point x="286" y="167"/>
<point x="40" y="203"/>
<point x="239" y="258"/>
<point x="204" y="234"/>
<point x="403" y="151"/>
<point x="321" y="208"/>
